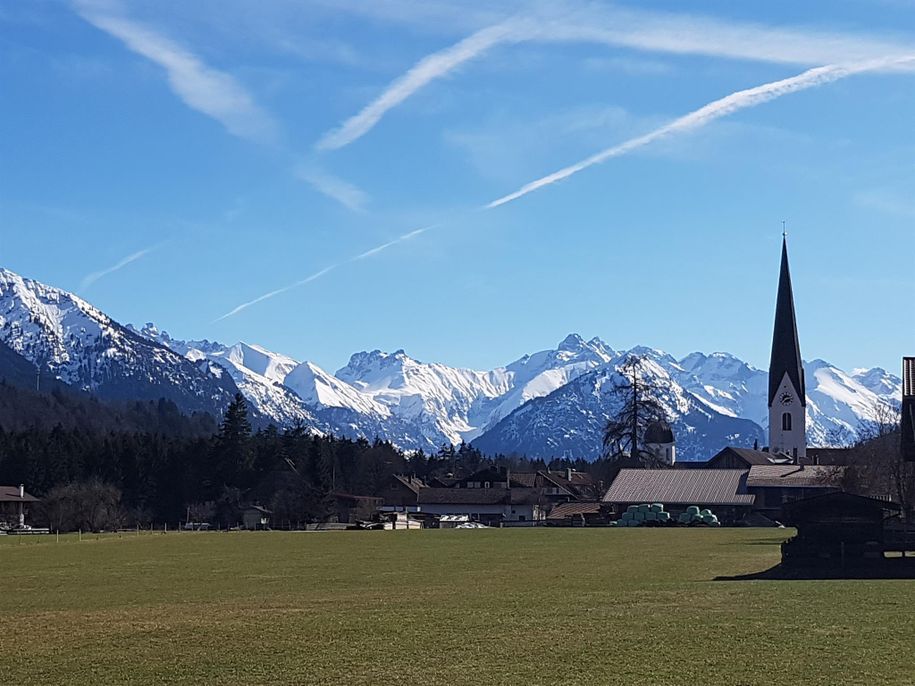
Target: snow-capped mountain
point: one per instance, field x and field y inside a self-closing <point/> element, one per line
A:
<point x="837" y="402"/>
<point x="548" y="403"/>
<point x="257" y="372"/>
<point x="83" y="347"/>
<point x="569" y="421"/>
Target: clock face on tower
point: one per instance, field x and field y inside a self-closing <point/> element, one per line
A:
<point x="786" y="398"/>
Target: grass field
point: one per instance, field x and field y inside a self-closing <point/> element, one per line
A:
<point x="544" y="606"/>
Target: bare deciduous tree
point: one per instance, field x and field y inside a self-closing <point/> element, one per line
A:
<point x="876" y="464"/>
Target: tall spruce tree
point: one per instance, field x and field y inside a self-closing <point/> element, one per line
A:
<point x="639" y="403"/>
<point x="234" y="453"/>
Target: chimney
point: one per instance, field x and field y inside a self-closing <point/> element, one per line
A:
<point x="22" y="490"/>
<point x="568" y="473"/>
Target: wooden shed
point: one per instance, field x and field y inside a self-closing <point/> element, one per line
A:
<point x="836" y="528"/>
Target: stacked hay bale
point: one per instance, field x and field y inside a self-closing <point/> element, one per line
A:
<point x="644" y="515"/>
<point x="696" y="517"/>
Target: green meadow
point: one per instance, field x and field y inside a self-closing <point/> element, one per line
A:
<point x="512" y="606"/>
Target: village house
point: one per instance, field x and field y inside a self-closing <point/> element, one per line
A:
<point x="255" y="517"/>
<point x="402" y="492"/>
<point x="492" y="506"/>
<point x="15" y="506"/>
<point x="349" y="508"/>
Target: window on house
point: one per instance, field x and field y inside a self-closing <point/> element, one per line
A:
<point x="486" y="485"/>
<point x="786" y="421"/>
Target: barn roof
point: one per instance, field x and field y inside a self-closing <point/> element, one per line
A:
<point x="682" y="487"/>
<point x="793" y="476"/>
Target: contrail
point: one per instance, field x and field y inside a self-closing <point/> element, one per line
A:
<point x="710" y="112"/>
<point x="95" y="276"/>
<point x="278" y="291"/>
<point x="317" y="275"/>
<point x="644" y="31"/>
<point x="722" y="107"/>
<point x="429" y="68"/>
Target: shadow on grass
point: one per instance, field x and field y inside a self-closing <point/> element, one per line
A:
<point x="893" y="568"/>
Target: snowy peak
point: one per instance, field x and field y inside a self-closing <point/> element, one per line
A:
<point x="716" y="365"/>
<point x="83" y="347"/>
<point x="879" y="381"/>
<point x="316" y="387"/>
<point x="270" y="365"/>
<point x="377" y="369"/>
<point x="244" y="357"/>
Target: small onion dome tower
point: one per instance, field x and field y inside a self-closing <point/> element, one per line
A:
<point x="659" y="441"/>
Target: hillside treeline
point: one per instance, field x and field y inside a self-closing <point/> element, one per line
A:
<point x="102" y="467"/>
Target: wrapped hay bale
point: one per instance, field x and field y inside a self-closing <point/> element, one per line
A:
<point x="706" y="513"/>
<point x="663" y="516"/>
<point x="657" y="507"/>
<point x="692" y="510"/>
<point x="644" y="507"/>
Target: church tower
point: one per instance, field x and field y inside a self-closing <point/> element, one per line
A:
<point x="787" y="394"/>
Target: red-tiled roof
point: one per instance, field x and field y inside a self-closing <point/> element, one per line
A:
<point x="682" y="487"/>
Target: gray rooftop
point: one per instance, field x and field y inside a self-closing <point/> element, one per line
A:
<point x="794" y="476"/>
<point x="680" y="487"/>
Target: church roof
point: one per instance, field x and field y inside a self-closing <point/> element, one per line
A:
<point x="659" y="432"/>
<point x="786" y="350"/>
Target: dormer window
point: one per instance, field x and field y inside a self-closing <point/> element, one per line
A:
<point x="786" y="421"/>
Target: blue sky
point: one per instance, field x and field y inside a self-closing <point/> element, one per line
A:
<point x="175" y="162"/>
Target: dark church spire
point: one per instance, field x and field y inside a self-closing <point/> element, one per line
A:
<point x="786" y="351"/>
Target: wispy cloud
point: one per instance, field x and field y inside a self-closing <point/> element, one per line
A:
<point x="317" y="275"/>
<point x="640" y="30"/>
<point x="201" y="87"/>
<point x="431" y="67"/>
<point x="133" y="257"/>
<point x="723" y="107"/>
<point x="333" y="187"/>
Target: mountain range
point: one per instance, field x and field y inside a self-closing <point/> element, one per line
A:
<point x="551" y="403"/>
